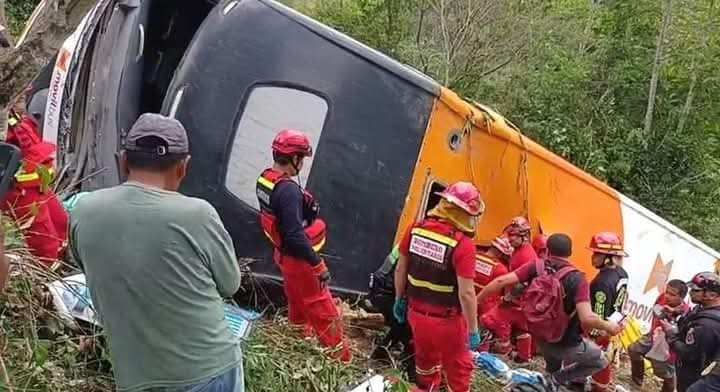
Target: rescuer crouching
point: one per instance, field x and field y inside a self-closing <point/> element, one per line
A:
<point x="488" y="266"/>
<point x="288" y="216"/>
<point x="434" y="278"/>
<point x="32" y="201"/>
<point x="507" y="317"/>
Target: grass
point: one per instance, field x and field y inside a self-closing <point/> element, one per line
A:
<point x="40" y="353"/>
<point x="277" y="360"/>
<point x="37" y="352"/>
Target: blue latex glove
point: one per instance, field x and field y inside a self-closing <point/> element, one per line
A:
<point x="474" y="340"/>
<point x="400" y="310"/>
<point x="490" y="364"/>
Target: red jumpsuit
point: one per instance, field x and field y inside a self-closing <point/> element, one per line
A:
<point x="508" y="317"/>
<point x="486" y="270"/>
<point x="309" y="304"/>
<point x="33" y="204"/>
<point x="437" y="255"/>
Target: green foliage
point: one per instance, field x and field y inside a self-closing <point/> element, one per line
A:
<point x="277" y="361"/>
<point x="37" y="353"/>
<point x="18" y="11"/>
<point x="575" y="75"/>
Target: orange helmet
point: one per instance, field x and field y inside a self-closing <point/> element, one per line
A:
<point x="292" y="142"/>
<point x="519" y="225"/>
<point x="503" y="245"/>
<point x="465" y="196"/>
<point x="607" y="243"/>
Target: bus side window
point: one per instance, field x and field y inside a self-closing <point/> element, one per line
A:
<point x="432" y="198"/>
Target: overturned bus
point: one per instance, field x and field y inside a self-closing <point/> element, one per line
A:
<point x="386" y="137"/>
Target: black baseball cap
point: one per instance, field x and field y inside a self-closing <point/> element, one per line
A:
<point x="170" y="131"/>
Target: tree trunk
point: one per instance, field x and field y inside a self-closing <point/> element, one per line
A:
<point x="18" y="66"/>
<point x="688" y="103"/>
<point x="6" y="35"/>
<point x="3" y="20"/>
<point x="657" y="64"/>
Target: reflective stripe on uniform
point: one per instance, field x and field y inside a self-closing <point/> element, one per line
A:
<point x="317" y="247"/>
<point x="266" y="183"/>
<point x="269" y="237"/>
<point x="609" y="246"/>
<point x="430" y="286"/>
<point x="435" y="236"/>
<point x="428" y="372"/>
<point x="485" y="259"/>
<point x="34" y="176"/>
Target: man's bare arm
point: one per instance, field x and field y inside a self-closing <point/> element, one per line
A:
<point x="590" y="320"/>
<point x="466" y="294"/>
<point x="498" y="284"/>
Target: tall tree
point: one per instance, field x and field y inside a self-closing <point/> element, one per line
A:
<point x="18" y="66"/>
<point x="657" y="64"/>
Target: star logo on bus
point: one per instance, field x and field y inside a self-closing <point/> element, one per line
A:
<point x="63" y="59"/>
<point x="659" y="275"/>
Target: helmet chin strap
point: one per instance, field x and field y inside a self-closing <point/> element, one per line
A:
<point x="297" y="170"/>
<point x="608" y="261"/>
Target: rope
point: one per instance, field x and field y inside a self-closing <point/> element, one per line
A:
<point x="524" y="176"/>
<point x="467" y="128"/>
<point x="523" y="182"/>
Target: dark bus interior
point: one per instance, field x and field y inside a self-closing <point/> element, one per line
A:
<point x="170" y="27"/>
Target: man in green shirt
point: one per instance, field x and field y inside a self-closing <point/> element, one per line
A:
<point x="158" y="265"/>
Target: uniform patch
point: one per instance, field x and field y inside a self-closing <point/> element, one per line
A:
<point x="429" y="249"/>
<point x="483" y="267"/>
<point x="262" y="195"/>
<point x="600" y="297"/>
<point x="690" y="337"/>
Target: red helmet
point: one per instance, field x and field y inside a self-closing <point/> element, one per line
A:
<point x="706" y="281"/>
<point x="465" y="196"/>
<point x="607" y="243"/>
<point x="292" y="142"/>
<point x="539" y="242"/>
<point x="503" y="245"/>
<point x="519" y="225"/>
<point x="26" y="136"/>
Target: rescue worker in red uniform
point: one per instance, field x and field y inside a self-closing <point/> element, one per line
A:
<point x="608" y="293"/>
<point x="32" y="200"/>
<point x="507" y="318"/>
<point x="434" y="278"/>
<point x="518" y="233"/>
<point x="288" y="216"/>
<point x="539" y="243"/>
<point x="488" y="266"/>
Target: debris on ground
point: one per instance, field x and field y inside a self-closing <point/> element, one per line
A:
<point x="37" y="351"/>
<point x="50" y="341"/>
